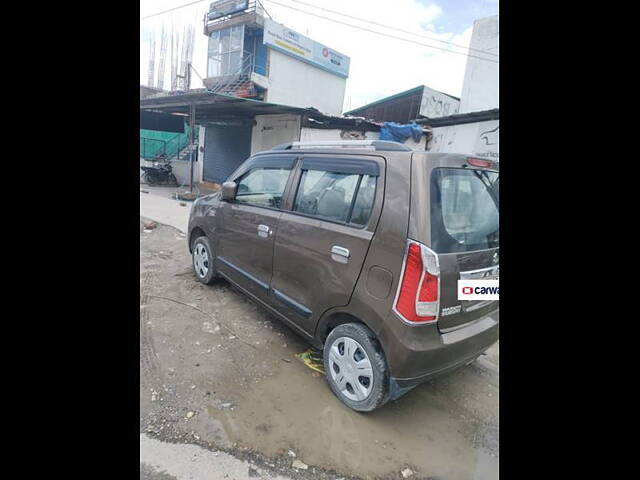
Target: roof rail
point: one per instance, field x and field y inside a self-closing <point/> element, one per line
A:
<point x="377" y="145"/>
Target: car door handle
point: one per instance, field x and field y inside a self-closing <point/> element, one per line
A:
<point x="340" y="254"/>
<point x="264" y="231"/>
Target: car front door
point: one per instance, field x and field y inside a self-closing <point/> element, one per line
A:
<point x="322" y="241"/>
<point x="245" y="239"/>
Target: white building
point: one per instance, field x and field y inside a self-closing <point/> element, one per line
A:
<point x="406" y="106"/>
<point x="476" y="129"/>
<point x="481" y="87"/>
<point x="475" y="133"/>
<point x="254" y="57"/>
<point x="266" y="85"/>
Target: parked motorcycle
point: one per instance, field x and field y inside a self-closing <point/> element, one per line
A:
<point x="161" y="173"/>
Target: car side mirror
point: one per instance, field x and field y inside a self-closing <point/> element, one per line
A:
<point x="229" y="191"/>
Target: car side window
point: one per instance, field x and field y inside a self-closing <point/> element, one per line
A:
<point x="330" y="196"/>
<point x="263" y="186"/>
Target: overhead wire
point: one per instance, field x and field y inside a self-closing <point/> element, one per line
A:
<point x="396" y="28"/>
<point x="383" y="34"/>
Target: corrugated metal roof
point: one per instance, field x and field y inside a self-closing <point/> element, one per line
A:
<point x="406" y="93"/>
<point x="214" y="103"/>
<point x="212" y="106"/>
<point x="461" y="118"/>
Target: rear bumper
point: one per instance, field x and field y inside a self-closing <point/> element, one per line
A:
<point x="418" y="354"/>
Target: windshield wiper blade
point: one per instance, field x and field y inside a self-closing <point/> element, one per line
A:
<point x="482" y="175"/>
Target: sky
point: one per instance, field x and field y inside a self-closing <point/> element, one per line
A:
<point x="380" y="66"/>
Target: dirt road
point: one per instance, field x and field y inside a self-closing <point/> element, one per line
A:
<point x="219" y="372"/>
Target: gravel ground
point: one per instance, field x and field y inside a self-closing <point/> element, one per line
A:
<point x="220" y="373"/>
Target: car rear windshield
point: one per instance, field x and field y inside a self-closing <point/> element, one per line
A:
<point x="464" y="210"/>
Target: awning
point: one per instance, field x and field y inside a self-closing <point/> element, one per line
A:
<point x="211" y="107"/>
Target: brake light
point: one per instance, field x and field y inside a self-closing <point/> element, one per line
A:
<point x="417" y="297"/>
<point x="476" y="162"/>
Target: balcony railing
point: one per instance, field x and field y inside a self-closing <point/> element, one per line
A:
<point x="253" y="6"/>
<point x="250" y="66"/>
<point x="239" y="82"/>
<point x="247" y="66"/>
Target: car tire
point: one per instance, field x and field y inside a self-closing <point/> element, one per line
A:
<point x="344" y="351"/>
<point x="150" y="178"/>
<point x="202" y="260"/>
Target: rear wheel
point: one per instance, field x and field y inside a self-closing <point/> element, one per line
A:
<point x="172" y="179"/>
<point x="356" y="368"/>
<point x="202" y="256"/>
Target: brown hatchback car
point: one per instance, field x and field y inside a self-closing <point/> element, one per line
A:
<point x="359" y="246"/>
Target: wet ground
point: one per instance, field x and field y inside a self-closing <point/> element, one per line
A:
<point x="220" y="372"/>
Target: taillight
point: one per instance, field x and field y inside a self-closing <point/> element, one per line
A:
<point x="417" y="297"/>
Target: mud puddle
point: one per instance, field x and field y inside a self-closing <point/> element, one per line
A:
<point x="296" y="412"/>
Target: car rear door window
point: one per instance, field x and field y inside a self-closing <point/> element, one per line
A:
<point x="364" y="200"/>
<point x="464" y="210"/>
<point x="263" y="186"/>
<point x="334" y="196"/>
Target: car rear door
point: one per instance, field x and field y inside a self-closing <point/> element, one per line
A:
<point x="322" y="241"/>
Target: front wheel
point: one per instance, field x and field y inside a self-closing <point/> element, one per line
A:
<point x="356" y="368"/>
<point x="150" y="178"/>
<point x="202" y="260"/>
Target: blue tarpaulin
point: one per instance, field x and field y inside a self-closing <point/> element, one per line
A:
<point x="396" y="132"/>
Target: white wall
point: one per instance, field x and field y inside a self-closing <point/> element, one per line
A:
<point x="317" y="134"/>
<point x="480" y="90"/>
<point x="181" y="171"/>
<point x="296" y="83"/>
<point x="181" y="168"/>
<point x="201" y="137"/>
<point x="272" y="130"/>
<point x="481" y="139"/>
<point x="436" y="104"/>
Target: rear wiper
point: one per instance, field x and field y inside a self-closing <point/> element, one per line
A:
<point x="482" y="175"/>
